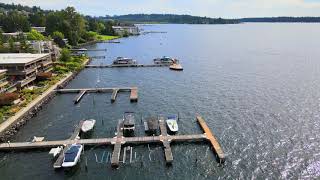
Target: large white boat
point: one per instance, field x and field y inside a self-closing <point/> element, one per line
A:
<point x="124" y="61"/>
<point x="72" y="155"/>
<point x="164" y="60"/>
<point x="172" y="123"/>
<point x="88" y="125"/>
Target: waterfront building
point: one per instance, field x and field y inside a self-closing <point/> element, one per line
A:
<point x="22" y="68"/>
<point x="122" y="30"/>
<point x="39" y="29"/>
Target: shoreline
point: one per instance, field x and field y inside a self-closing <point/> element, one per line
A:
<point x="10" y="127"/>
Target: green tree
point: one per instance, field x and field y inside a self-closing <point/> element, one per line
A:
<point x="37" y="19"/>
<point x="58" y="38"/>
<point x="35" y="35"/>
<point x="13" y="22"/>
<point x="65" y="55"/>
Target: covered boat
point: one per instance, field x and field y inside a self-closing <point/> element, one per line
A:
<point x="176" y="66"/>
<point x="172" y="123"/>
<point x="164" y="60"/>
<point x="72" y="155"/>
<point x="88" y="125"/>
<point x="128" y="123"/>
<point x="123" y="61"/>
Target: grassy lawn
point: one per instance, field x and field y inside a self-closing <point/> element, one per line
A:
<point x="106" y="38"/>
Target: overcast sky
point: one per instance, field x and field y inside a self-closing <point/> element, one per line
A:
<point x="210" y="8"/>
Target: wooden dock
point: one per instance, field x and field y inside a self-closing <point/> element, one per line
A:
<point x="214" y="142"/>
<point x="126" y="65"/>
<point x="119" y="140"/>
<point x="75" y="134"/>
<point x="134" y="95"/>
<point x="79" y="96"/>
<point x="114" y="95"/>
<point x="81" y="92"/>
<point x="166" y="142"/>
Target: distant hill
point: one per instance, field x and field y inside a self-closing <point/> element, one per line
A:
<point x="171" y="18"/>
<point x="282" y="19"/>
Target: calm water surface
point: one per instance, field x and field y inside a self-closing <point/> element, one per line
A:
<point x="257" y="86"/>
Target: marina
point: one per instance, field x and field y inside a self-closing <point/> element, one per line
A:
<point x="120" y="140"/>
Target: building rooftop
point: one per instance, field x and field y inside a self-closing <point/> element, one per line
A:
<point x="20" y="58"/>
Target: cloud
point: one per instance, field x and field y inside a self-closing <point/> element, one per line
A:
<point x="211" y="8"/>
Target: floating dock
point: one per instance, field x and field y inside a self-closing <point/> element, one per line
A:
<point x="126" y="65"/>
<point x="81" y="92"/>
<point x="119" y="140"/>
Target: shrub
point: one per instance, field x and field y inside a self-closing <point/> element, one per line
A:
<point x="8" y="98"/>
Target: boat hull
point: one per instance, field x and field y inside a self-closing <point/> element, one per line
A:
<point x="76" y="159"/>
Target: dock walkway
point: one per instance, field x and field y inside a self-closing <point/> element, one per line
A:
<point x="82" y="91"/>
<point x="120" y="140"/>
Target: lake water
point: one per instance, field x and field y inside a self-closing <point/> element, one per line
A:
<point x="257" y="86"/>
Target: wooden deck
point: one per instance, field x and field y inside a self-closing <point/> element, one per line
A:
<point x="119" y="140"/>
<point x="134" y="95"/>
<point x="79" y="96"/>
<point x="82" y="91"/>
<point x="214" y="142"/>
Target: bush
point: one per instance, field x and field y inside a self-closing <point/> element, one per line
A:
<point x="35" y="35"/>
<point x="8" y="98"/>
<point x="44" y="76"/>
<point x="65" y="55"/>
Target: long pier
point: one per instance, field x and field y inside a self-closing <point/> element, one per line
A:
<point x="82" y="91"/>
<point x="120" y="140"/>
<point x="125" y="65"/>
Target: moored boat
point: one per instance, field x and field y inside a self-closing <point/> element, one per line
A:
<point x="164" y="60"/>
<point x="172" y="123"/>
<point x="88" y="125"/>
<point x="124" y="61"/>
<point x="176" y="66"/>
<point x="72" y="155"/>
<point x="128" y="123"/>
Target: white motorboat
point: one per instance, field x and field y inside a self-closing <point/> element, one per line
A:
<point x="172" y="123"/>
<point x="176" y="66"/>
<point x="72" y="155"/>
<point x="88" y="125"/>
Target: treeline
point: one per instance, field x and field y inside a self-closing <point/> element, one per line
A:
<point x="66" y="23"/>
<point x="172" y="18"/>
<point x="282" y="19"/>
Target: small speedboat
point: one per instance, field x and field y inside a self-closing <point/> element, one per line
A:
<point x="88" y="125"/>
<point x="124" y="61"/>
<point x="172" y="123"/>
<point x="72" y="155"/>
<point x="176" y="66"/>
